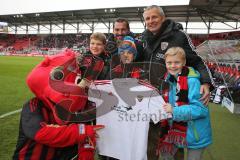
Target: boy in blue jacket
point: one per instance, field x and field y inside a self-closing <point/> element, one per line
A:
<point x="190" y="124"/>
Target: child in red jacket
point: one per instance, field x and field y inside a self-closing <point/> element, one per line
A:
<point x="126" y="69"/>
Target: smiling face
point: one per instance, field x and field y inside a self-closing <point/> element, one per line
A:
<point x="153" y="20"/>
<point x="96" y="47"/>
<point x="120" y="29"/>
<point x="175" y="61"/>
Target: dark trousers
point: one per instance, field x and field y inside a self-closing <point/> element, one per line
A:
<point x="153" y="136"/>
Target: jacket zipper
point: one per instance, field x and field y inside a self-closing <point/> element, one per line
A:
<point x="195" y="132"/>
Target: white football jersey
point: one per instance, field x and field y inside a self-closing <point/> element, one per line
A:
<point x="125" y="107"/>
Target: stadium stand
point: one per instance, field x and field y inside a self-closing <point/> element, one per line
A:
<point x="198" y="39"/>
<point x="45" y="42"/>
<point x="63" y="40"/>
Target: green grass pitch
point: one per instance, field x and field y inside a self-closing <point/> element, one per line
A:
<point x="14" y="92"/>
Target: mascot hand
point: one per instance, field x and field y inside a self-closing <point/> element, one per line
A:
<point x="84" y="83"/>
<point x="87" y="147"/>
<point x="88" y="132"/>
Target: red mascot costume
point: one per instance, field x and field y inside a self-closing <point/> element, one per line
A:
<point x="46" y="130"/>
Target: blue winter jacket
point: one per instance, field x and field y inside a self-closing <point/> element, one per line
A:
<point x="195" y="113"/>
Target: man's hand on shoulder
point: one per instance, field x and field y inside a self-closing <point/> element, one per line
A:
<point x="205" y="92"/>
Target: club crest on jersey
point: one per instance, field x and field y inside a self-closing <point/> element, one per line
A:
<point x="139" y="98"/>
<point x="164" y="45"/>
<point x="159" y="56"/>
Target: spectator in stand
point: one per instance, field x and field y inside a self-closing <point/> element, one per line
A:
<point x="63" y="41"/>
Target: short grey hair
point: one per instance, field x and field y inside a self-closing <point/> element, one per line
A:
<point x="161" y="12"/>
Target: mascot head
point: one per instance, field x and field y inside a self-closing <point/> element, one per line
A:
<point x="53" y="81"/>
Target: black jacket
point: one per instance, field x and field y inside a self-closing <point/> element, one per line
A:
<point x="172" y="35"/>
<point x="112" y="46"/>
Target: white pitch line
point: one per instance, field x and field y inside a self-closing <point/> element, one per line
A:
<point x="10" y="113"/>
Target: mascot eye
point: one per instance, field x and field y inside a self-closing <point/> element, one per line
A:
<point x="57" y="74"/>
